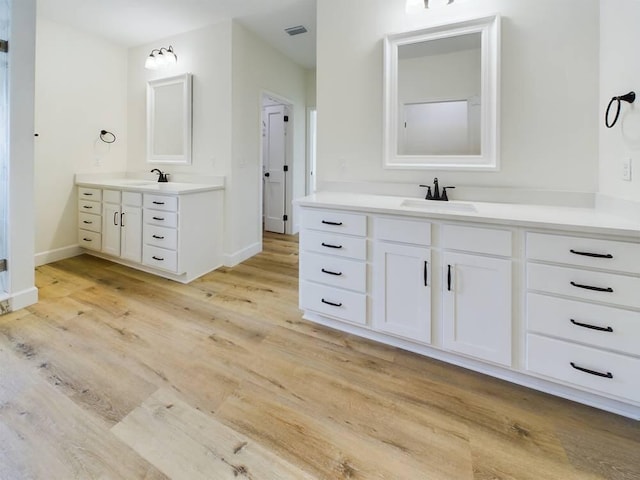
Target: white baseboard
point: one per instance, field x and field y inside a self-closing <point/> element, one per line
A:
<point x="50" y="256"/>
<point x="23" y="299"/>
<point x="233" y="259"/>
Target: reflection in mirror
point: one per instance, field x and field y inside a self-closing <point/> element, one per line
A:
<point x="169" y="120"/>
<point x="440" y="113"/>
<point x="441" y="97"/>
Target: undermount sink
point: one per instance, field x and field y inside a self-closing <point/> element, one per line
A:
<point x="438" y="206"/>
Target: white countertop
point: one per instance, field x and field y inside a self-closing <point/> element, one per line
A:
<point x="149" y="186"/>
<point x="537" y="216"/>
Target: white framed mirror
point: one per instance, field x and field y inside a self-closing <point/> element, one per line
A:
<point x="441" y="97"/>
<point x="169" y="120"/>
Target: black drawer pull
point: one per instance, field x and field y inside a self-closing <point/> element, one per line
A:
<point x="595" y="289"/>
<point x="158" y="258"/>
<point x="87" y="207"/>
<point x="592" y="372"/>
<point x="327" y="222"/>
<point x="425" y="273"/>
<point x="157" y="203"/>
<point x="87" y="222"/>
<point x="449" y="277"/>
<point x="592" y="327"/>
<point x="588" y="254"/>
<point x="87" y="240"/>
<point x="158" y="237"/>
<point x="331" y="303"/>
<point x="88" y="194"/>
<point x="328" y="245"/>
<point x="115" y="218"/>
<point x="158" y="218"/>
<point x="331" y="273"/>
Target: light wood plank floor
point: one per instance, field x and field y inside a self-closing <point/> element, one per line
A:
<point x="120" y="374"/>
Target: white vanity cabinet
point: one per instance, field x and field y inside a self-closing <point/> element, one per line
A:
<point x="333" y="268"/>
<point x="476" y="294"/>
<point x="402" y="278"/>
<point x="89" y="218"/>
<point x="122" y="224"/>
<point x="492" y="287"/>
<point x="174" y="235"/>
<point x="583" y="312"/>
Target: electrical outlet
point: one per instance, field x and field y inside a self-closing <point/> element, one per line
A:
<point x="626" y="169"/>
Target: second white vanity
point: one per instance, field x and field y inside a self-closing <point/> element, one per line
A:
<point x="542" y="296"/>
<point x="173" y="230"/>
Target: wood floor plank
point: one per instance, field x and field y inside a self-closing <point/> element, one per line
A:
<point x="44" y="435"/>
<point x="187" y="444"/>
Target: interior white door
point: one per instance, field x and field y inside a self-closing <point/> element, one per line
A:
<point x="274" y="169"/>
<point x="4" y="139"/>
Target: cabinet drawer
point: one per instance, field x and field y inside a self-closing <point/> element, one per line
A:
<point x="161" y="202"/>
<point x="160" y="258"/>
<point x="476" y="239"/>
<point x="334" y="302"/>
<point x="88" y="206"/>
<point x="85" y="193"/>
<point x="587" y="367"/>
<point x="133" y="199"/>
<point x="338" y="272"/>
<point x="111" y="196"/>
<point x="586" y="252"/>
<point x="88" y="221"/>
<point x="405" y="231"/>
<point x="163" y="219"/>
<point x="337" y="222"/>
<point x="333" y="244"/>
<point x="161" y="237"/>
<point x="89" y="239"/>
<point x="595" y="325"/>
<point x="611" y="288"/>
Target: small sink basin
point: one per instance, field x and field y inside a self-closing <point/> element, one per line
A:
<point x="437" y="206"/>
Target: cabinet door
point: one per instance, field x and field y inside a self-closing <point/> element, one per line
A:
<point x="402" y="291"/>
<point x="131" y="238"/>
<point x="477" y="306"/>
<point x="111" y="228"/>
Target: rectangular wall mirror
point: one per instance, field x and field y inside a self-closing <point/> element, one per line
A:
<point x="169" y="120"/>
<point x="441" y="97"/>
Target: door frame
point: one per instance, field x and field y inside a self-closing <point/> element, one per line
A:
<point x="288" y="207"/>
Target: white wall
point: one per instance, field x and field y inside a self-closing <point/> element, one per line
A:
<point x="549" y="82"/>
<point x="619" y="74"/>
<point x="81" y="88"/>
<point x="259" y="68"/>
<point x="21" y="289"/>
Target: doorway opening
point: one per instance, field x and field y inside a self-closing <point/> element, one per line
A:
<point x="277" y="149"/>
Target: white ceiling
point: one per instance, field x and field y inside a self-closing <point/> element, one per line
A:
<point x="136" y="22"/>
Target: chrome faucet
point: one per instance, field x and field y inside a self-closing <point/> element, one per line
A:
<point x="436" y="192"/>
<point x="162" y="177"/>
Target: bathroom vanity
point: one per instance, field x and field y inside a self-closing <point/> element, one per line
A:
<point x="173" y="230"/>
<point x="546" y="297"/>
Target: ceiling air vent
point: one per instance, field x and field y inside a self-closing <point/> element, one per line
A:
<point x="296" y="30"/>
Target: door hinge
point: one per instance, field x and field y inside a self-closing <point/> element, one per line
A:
<point x="3" y="265"/>
<point x="285" y="168"/>
<point x="4" y="46"/>
<point x="285" y="218"/>
<point x="286" y="118"/>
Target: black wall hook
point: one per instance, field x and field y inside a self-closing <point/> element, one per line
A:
<point x="104" y="133"/>
<point x="629" y="98"/>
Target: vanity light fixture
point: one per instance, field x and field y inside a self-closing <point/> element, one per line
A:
<point x="161" y="57"/>
<point x="413" y="6"/>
